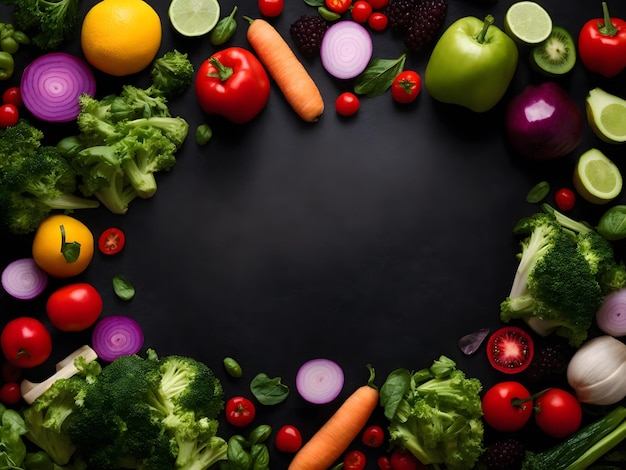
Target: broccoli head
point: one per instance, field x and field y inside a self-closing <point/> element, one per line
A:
<point x="171" y="74"/>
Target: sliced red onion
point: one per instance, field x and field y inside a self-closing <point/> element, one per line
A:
<point x="346" y="49"/>
<point x="611" y="316"/>
<point x="23" y="279"/>
<point x="319" y="381"/>
<point x="470" y="343"/>
<point x="116" y="336"/>
<point x="52" y="83"/>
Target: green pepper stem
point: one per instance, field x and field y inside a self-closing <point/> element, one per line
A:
<point x="483" y="32"/>
<point x="606" y="29"/>
<point x="223" y="72"/>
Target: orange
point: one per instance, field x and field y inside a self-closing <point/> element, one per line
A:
<point x="48" y="241"/>
<point x="121" y="37"/>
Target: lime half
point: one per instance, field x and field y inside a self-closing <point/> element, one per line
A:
<point x="528" y="23"/>
<point x="596" y="178"/>
<point x="194" y="17"/>
<point x="606" y="114"/>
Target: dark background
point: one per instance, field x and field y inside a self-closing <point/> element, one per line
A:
<point x="381" y="238"/>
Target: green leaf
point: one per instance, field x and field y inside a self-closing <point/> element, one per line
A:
<point x="269" y="391"/>
<point x="315" y="3"/>
<point x="378" y="76"/>
<point x="538" y="192"/>
<point x="123" y="289"/>
<point x="393" y="390"/>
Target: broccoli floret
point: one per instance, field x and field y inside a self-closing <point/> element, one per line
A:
<point x="174" y="128"/>
<point x="171" y="74"/>
<point x="197" y="445"/>
<point x="48" y="22"/>
<point x="554" y="289"/>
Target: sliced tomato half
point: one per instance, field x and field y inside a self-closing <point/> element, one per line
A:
<point x="111" y="241"/>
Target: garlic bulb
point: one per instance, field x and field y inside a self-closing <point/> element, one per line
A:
<point x="597" y="371"/>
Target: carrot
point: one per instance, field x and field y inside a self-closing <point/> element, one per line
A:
<point x="334" y="437"/>
<point x="294" y="81"/>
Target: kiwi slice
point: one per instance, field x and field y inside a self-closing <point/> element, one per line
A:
<point x="556" y="55"/>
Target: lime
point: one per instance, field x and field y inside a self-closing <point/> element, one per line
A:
<point x="528" y="23"/>
<point x="606" y="114"/>
<point x="194" y="17"/>
<point x="596" y="178"/>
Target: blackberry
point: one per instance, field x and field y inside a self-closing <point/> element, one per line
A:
<point x="507" y="454"/>
<point x="307" y="33"/>
<point x="400" y="14"/>
<point x="549" y="360"/>
<point x="426" y="22"/>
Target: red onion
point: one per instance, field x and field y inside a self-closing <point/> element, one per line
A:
<point x="23" y="279"/>
<point x="543" y="122"/>
<point x="346" y="49"/>
<point x="116" y="336"/>
<point x="470" y="343"/>
<point x="52" y="83"/>
<point x="319" y="381"/>
<point x="611" y="316"/>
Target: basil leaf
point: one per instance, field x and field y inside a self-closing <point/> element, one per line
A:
<point x="123" y="289"/>
<point x="378" y="76"/>
<point x="392" y="391"/>
<point x="538" y="192"/>
<point x="224" y="29"/>
<point x="269" y="391"/>
<point x="315" y="3"/>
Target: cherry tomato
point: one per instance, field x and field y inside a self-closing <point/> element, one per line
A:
<point x="9" y="115"/>
<point x="361" y="11"/>
<point x="240" y="411"/>
<point x="378" y="21"/>
<point x="288" y="439"/>
<point x="354" y="460"/>
<point x="378" y="4"/>
<point x="406" y="87"/>
<point x="10" y="393"/>
<point x="558" y="413"/>
<point x="74" y="307"/>
<point x="111" y="241"/>
<point x="565" y="199"/>
<point x="271" y="8"/>
<point x="502" y="409"/>
<point x="10" y="372"/>
<point x="403" y="460"/>
<point x="26" y="342"/>
<point x="12" y="95"/>
<point x="347" y="104"/>
<point x="384" y="463"/>
<point x="373" y="436"/>
<point x="338" y="6"/>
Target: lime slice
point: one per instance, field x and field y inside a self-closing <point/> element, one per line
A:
<point x="528" y="23"/>
<point x="194" y="17"/>
<point x="596" y="178"/>
<point x="606" y="114"/>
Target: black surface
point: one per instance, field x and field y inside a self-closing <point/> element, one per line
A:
<point x="382" y="238"/>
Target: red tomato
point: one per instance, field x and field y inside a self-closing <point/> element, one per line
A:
<point x="271" y="8"/>
<point x="565" y="199"/>
<point x="354" y="460"/>
<point x="403" y="460"/>
<point x="10" y="393"/>
<point x="111" y="241"/>
<point x="9" y="115"/>
<point x="347" y="104"/>
<point x="378" y="21"/>
<point x="26" y="342"/>
<point x="338" y="6"/>
<point x="361" y="11"/>
<point x="74" y="307"/>
<point x="558" y="413"/>
<point x="288" y="439"/>
<point x="10" y="372"/>
<point x="378" y="4"/>
<point x="503" y="409"/>
<point x="373" y="436"/>
<point x="240" y="411"/>
<point x="406" y="87"/>
<point x="384" y="463"/>
<point x="510" y="350"/>
<point x="12" y="95"/>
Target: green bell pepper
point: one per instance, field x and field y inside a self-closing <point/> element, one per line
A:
<point x="472" y="64"/>
<point x="7" y="65"/>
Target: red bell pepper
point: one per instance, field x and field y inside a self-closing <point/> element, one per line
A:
<point x="232" y="83"/>
<point x="602" y="44"/>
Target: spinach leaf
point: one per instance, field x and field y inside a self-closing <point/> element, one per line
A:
<point x="123" y="289"/>
<point x="538" y="192"/>
<point x="378" y="76"/>
<point x="269" y="391"/>
<point x="392" y="391"/>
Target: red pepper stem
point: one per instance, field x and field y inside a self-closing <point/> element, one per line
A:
<point x="606" y="28"/>
<point x="480" y="38"/>
<point x="223" y="72"/>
